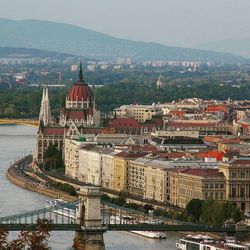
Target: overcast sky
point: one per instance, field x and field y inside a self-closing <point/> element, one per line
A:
<point x="173" y="22"/>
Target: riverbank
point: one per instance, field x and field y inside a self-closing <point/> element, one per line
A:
<point x="17" y="176"/>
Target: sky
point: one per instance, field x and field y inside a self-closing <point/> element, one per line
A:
<point x="185" y="23"/>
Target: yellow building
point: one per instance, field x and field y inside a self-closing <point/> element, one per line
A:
<point x="197" y="183"/>
<point x="108" y="169"/>
<point x="157" y="180"/>
<point x="121" y="165"/>
<point x="237" y="173"/>
<point x="136" y="176"/>
<point x="141" y="113"/>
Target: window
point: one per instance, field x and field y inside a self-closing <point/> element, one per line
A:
<point x="242" y="175"/>
<point x="233" y="192"/>
<point x="234" y="174"/>
<point x="211" y="185"/>
<point x="242" y="192"/>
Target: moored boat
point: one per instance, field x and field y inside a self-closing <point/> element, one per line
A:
<point x="204" y="242"/>
<point x="148" y="234"/>
<point x="60" y="207"/>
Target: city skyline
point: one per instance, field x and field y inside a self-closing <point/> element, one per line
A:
<point x="174" y="23"/>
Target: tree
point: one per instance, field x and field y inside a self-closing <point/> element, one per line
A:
<point x="53" y="157"/>
<point x="194" y="208"/>
<point x="33" y="240"/>
<point x="208" y="210"/>
<point x="215" y="213"/>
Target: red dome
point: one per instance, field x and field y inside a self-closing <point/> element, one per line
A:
<point x="80" y="92"/>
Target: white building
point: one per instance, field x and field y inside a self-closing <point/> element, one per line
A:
<point x="71" y="156"/>
<point x="91" y="164"/>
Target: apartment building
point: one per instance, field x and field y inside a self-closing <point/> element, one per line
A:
<point x="141" y="113"/>
<point x="136" y="176"/>
<point x="91" y="164"/>
<point x="237" y="173"/>
<point x="200" y="183"/>
<point x="121" y="165"/>
<point x="71" y="156"/>
<point x="108" y="169"/>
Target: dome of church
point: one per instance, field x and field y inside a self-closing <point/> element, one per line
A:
<point x="80" y="91"/>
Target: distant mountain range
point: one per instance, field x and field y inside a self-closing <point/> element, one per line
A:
<point x="236" y="46"/>
<point x="10" y="52"/>
<point x="66" y="38"/>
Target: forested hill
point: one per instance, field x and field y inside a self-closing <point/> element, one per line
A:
<point x="75" y="40"/>
<point x="6" y="52"/>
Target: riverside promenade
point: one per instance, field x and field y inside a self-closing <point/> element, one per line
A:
<point x="17" y="175"/>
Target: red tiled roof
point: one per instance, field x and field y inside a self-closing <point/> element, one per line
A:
<point x="216" y="108"/>
<point x="242" y="161"/>
<point x="210" y="154"/>
<point x="231" y="140"/>
<point x="131" y="154"/>
<point x="77" y="114"/>
<point x="124" y="123"/>
<point x="203" y="172"/>
<point x="179" y="113"/>
<point x="214" y="139"/>
<point x="53" y="131"/>
<point x="173" y="155"/>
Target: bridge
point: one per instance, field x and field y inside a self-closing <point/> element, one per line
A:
<point x="27" y="122"/>
<point x="90" y="218"/>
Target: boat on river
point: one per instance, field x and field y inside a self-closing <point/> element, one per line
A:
<point x="205" y="242"/>
<point x="129" y="220"/>
<point x="60" y="207"/>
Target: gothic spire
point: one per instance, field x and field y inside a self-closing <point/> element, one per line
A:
<point x="80" y="76"/>
<point x="45" y="113"/>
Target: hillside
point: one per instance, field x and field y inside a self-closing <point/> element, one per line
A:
<point x="236" y="46"/>
<point x="8" y="52"/>
<point x="71" y="39"/>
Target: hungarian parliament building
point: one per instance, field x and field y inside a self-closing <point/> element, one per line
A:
<point x="79" y="115"/>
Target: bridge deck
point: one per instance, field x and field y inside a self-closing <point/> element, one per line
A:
<point x="63" y="217"/>
<point x="124" y="227"/>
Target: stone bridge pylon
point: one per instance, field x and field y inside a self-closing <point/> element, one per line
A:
<point x="90" y="236"/>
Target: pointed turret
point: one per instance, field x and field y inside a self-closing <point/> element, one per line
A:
<point x="80" y="75"/>
<point x="42" y="106"/>
<point x="45" y="113"/>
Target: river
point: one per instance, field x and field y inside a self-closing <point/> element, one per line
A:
<point x="15" y="141"/>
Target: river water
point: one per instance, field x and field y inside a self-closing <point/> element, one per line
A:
<point x="15" y="141"/>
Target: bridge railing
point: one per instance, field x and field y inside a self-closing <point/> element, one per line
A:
<point x="63" y="213"/>
<point x="115" y="213"/>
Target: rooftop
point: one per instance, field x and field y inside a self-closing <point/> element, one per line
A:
<point x="203" y="172"/>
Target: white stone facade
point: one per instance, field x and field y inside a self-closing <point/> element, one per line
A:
<point x="71" y="157"/>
